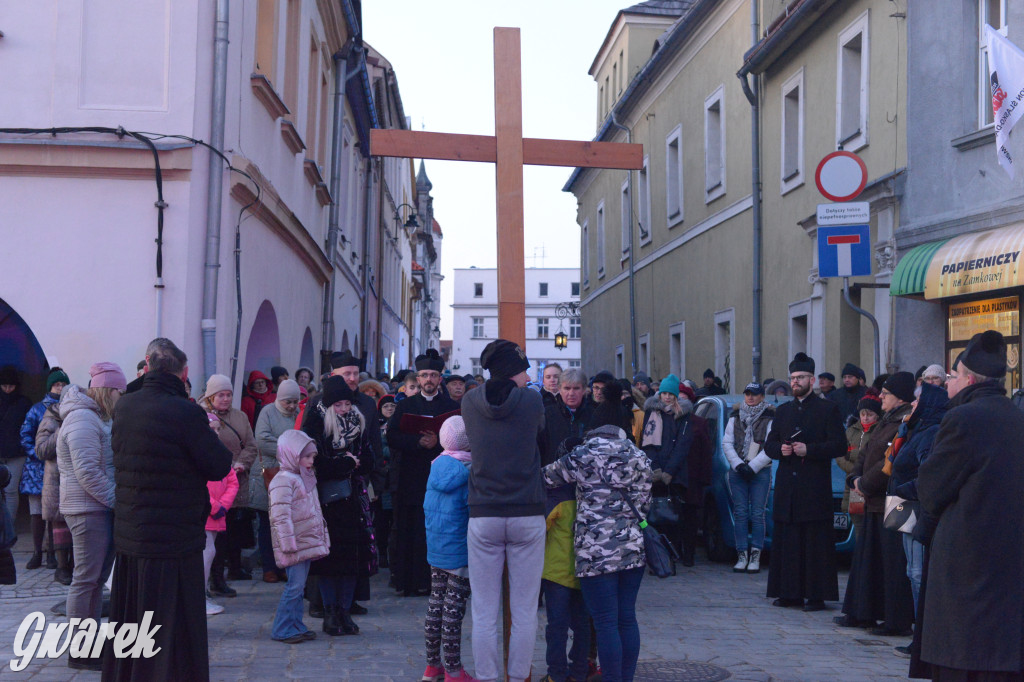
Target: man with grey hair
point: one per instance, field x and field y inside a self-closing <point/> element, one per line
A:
<point x="164" y="454"/>
<point x="972" y="619"/>
<point x="567" y="416"/>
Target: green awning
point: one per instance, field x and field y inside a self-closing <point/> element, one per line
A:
<point x="909" y="277"/>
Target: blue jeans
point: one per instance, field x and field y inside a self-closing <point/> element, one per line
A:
<point x="611" y="601"/>
<point x="338" y="591"/>
<point x="748" y="502"/>
<point x="915" y="565"/>
<point x="565" y="609"/>
<point x="288" y="621"/>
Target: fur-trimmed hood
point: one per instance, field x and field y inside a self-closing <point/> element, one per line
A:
<point x="654" y="403"/>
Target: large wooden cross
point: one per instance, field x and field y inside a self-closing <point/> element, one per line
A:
<point x="508" y="150"/>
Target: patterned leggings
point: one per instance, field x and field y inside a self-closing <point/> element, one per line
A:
<point x="445" y="610"/>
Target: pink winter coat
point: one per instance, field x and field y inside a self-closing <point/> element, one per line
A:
<point x="297" y="526"/>
<point x="222" y="495"/>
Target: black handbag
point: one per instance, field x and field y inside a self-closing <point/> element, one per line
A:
<point x="335" y="490"/>
<point x="659" y="559"/>
<point x="901" y="515"/>
<point x="664" y="511"/>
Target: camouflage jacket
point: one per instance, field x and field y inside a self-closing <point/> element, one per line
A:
<point x="608" y="536"/>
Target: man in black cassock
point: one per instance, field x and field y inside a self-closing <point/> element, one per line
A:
<point x="164" y="453"/>
<point x="806" y="435"/>
<point x="411" y="455"/>
<point x="347" y="366"/>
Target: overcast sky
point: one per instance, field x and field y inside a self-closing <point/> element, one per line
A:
<point x="443" y="56"/>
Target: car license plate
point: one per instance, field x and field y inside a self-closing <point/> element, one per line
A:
<point x="840" y="521"/>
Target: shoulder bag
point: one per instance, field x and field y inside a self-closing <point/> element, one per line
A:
<point x="900" y="515"/>
<point x="268" y="473"/>
<point x="335" y="490"/>
<point x="660" y="560"/>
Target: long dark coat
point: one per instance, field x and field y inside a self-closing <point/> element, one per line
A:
<point x="561" y="423"/>
<point x="410" y="469"/>
<point x="349" y="521"/>
<point x="313" y="424"/>
<point x="972" y="482"/>
<point x="803" y="562"/>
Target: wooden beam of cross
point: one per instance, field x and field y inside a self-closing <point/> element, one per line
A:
<point x="508" y="151"/>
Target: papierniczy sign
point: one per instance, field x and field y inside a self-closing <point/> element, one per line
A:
<point x="979" y="263"/>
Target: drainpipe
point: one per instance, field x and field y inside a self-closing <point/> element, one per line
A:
<point x="365" y="279"/>
<point x="215" y="190"/>
<point x="334" y="213"/>
<point x="632" y="288"/>
<point x="753" y="96"/>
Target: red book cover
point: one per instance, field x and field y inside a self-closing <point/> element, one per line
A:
<point x="418" y="423"/>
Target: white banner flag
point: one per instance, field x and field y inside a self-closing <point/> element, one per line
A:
<point x="1006" y="80"/>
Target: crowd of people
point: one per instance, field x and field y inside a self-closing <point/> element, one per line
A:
<point x="446" y="479"/>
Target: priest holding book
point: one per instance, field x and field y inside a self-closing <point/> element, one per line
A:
<point x="413" y="438"/>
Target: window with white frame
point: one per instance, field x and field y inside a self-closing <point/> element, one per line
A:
<point x="725" y="346"/>
<point x="625" y="216"/>
<point x="793" y="131"/>
<point x="600" y="240"/>
<point x="714" y="145"/>
<point x="575" y="328"/>
<point x="585" y="255"/>
<point x="993" y="13"/>
<point x="478" y="327"/>
<point x="643" y="354"/>
<point x="478" y="370"/>
<point x="542" y="327"/>
<point x="852" y="86"/>
<point x="620" y="360"/>
<point x="643" y="198"/>
<point x="674" y="176"/>
<point x="677" y="349"/>
<point x="575" y="364"/>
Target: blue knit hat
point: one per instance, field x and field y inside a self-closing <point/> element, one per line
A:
<point x="669" y="384"/>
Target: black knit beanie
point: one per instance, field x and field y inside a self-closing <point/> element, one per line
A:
<point x="504" y="359"/>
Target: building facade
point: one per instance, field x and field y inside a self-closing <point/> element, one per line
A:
<point x="276" y="259"/>
<point x="549" y="293"/>
<point x="682" y="227"/>
<point x="961" y="227"/>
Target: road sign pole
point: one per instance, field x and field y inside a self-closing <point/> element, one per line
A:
<point x="874" y="322"/>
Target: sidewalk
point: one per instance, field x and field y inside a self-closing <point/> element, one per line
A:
<point x="705" y="614"/>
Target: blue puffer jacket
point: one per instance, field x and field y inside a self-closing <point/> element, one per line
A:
<point x="32" y="476"/>
<point x="447" y="513"/>
<point x="931" y="408"/>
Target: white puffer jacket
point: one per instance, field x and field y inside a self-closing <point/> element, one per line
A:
<point x="297" y="526"/>
<point x="85" y="458"/>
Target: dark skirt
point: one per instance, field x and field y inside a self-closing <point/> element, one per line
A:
<point x="410" y="571"/>
<point x="878" y="588"/>
<point x="803" y="562"/>
<point x="173" y="590"/>
<point x="8" y="572"/>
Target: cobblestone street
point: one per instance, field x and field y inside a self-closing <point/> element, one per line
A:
<point x="704" y="614"/>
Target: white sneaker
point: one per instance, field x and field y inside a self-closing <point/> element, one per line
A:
<point x="741" y="563"/>
<point x="755" y="561"/>
<point x="213" y="608"/>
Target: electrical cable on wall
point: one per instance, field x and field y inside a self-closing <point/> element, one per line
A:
<point x="148" y="138"/>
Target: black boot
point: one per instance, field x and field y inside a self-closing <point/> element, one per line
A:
<point x="35" y="562"/>
<point x="348" y="626"/>
<point x="218" y="587"/>
<point x="51" y="560"/>
<point x="332" y="620"/>
<point x="235" y="569"/>
<point x="63" y="573"/>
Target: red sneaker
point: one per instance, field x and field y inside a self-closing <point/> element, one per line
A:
<point x="462" y="676"/>
<point x="433" y="674"/>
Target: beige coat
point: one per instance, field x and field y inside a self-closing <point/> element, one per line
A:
<point x="237" y="436"/>
<point x="297" y="526"/>
<point x="46" y="450"/>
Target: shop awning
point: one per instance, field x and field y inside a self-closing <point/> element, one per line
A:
<point x="968" y="264"/>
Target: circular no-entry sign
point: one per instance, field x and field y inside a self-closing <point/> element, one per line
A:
<point x="841" y="176"/>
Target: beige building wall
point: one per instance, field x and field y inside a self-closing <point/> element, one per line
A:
<point x="834" y="333"/>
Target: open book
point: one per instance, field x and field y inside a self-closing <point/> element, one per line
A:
<point x="418" y="423"/>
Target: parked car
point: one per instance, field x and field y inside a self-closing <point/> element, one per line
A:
<point x="718" y="525"/>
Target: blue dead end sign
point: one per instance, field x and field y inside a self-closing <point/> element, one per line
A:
<point x="844" y="251"/>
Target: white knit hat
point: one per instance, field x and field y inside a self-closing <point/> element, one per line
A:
<point x="453" y="434"/>
<point x="217" y="383"/>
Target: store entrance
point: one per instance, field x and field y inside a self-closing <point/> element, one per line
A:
<point x="967" y="318"/>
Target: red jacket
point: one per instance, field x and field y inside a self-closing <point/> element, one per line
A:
<point x="222" y="495"/>
<point x="253" y="402"/>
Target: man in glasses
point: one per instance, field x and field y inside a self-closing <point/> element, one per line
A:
<point x="806" y="435"/>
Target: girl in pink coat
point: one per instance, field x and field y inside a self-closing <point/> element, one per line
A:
<point x="222" y="495"/>
<point x="297" y="529"/>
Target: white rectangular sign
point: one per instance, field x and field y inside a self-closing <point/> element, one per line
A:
<point x="848" y="213"/>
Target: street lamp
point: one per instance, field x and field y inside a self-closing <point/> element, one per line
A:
<point x="562" y="311"/>
<point x="411" y="223"/>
